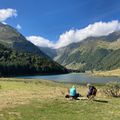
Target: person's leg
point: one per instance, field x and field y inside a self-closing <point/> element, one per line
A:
<point x="91" y="97"/>
<point x="77" y="95"/>
<point x="88" y="95"/>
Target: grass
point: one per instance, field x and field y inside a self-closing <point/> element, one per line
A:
<point x="115" y="72"/>
<point x="29" y="99"/>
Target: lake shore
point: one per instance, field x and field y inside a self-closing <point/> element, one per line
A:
<point x="111" y="73"/>
<point x="75" y="78"/>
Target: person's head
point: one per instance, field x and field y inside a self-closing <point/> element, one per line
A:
<point x="88" y="85"/>
<point x="73" y="86"/>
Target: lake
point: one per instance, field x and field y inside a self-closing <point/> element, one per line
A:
<point x="75" y="78"/>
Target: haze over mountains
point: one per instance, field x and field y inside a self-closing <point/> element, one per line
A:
<point x="100" y="53"/>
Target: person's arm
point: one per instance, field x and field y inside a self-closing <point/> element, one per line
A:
<point x="68" y="91"/>
<point x="90" y="90"/>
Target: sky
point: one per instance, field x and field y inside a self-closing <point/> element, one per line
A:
<point x="57" y="23"/>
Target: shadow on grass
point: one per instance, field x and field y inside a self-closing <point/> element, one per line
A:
<point x="84" y="98"/>
<point x="101" y="101"/>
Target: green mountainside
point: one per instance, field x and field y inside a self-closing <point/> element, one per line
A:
<point x="19" y="63"/>
<point x="11" y="38"/>
<point x="49" y="51"/>
<point x="20" y="57"/>
<point x="99" y="53"/>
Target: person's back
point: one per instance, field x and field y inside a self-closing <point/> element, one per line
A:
<point x="72" y="91"/>
<point x="92" y="91"/>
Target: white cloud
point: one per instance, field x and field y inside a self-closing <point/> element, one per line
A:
<point x="4" y="23"/>
<point x="7" y="13"/>
<point x="40" y="41"/>
<point x="97" y="29"/>
<point x="18" y="27"/>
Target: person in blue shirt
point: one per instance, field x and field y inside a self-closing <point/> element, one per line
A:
<point x="72" y="93"/>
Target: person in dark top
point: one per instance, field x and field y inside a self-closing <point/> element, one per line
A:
<point x="92" y="91"/>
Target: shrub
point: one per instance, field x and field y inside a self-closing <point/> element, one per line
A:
<point x="112" y="89"/>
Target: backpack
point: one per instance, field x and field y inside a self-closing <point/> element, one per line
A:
<point x="94" y="91"/>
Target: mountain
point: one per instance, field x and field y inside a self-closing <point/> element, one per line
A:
<point x="11" y="38"/>
<point x="49" y="51"/>
<point x="20" y="57"/>
<point x="91" y="53"/>
<point x="19" y="63"/>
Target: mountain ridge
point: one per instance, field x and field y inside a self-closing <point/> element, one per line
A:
<point x="90" y="53"/>
<point x="20" y="57"/>
<point x="11" y="38"/>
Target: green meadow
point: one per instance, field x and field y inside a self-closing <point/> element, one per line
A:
<point x="30" y="99"/>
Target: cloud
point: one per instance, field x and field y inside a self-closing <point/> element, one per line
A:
<point x="4" y="23"/>
<point x="72" y="36"/>
<point x="18" y="27"/>
<point x="7" y="13"/>
<point x="95" y="30"/>
<point x="40" y="41"/>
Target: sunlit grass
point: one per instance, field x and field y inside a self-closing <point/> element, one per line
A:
<point x="115" y="72"/>
<point x="31" y="99"/>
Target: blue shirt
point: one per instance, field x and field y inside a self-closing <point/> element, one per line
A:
<point x="72" y="91"/>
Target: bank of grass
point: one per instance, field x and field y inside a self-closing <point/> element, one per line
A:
<point x="115" y="72"/>
<point x="27" y="99"/>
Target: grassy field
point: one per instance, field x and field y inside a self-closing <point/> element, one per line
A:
<point x="22" y="99"/>
<point x="115" y="72"/>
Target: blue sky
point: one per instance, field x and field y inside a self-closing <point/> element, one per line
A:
<point x="51" y="18"/>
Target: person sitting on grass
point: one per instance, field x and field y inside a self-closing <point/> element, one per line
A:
<point x="92" y="91"/>
<point x="72" y="93"/>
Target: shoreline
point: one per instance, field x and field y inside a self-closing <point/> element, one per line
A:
<point x="111" y="73"/>
<point x="33" y="80"/>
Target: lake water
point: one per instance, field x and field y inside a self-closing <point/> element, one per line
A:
<point x="75" y="78"/>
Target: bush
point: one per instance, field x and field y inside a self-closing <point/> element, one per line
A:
<point x="112" y="89"/>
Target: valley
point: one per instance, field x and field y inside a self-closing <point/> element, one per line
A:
<point x="93" y="53"/>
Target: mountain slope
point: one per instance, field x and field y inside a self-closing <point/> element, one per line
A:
<point x="19" y="63"/>
<point x="19" y="56"/>
<point x="11" y="38"/>
<point x="92" y="53"/>
<point x="49" y="51"/>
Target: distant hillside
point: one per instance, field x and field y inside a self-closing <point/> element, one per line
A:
<point x="11" y="38"/>
<point x="49" y="51"/>
<point x="112" y="73"/>
<point x="17" y="63"/>
<point x="100" y="53"/>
